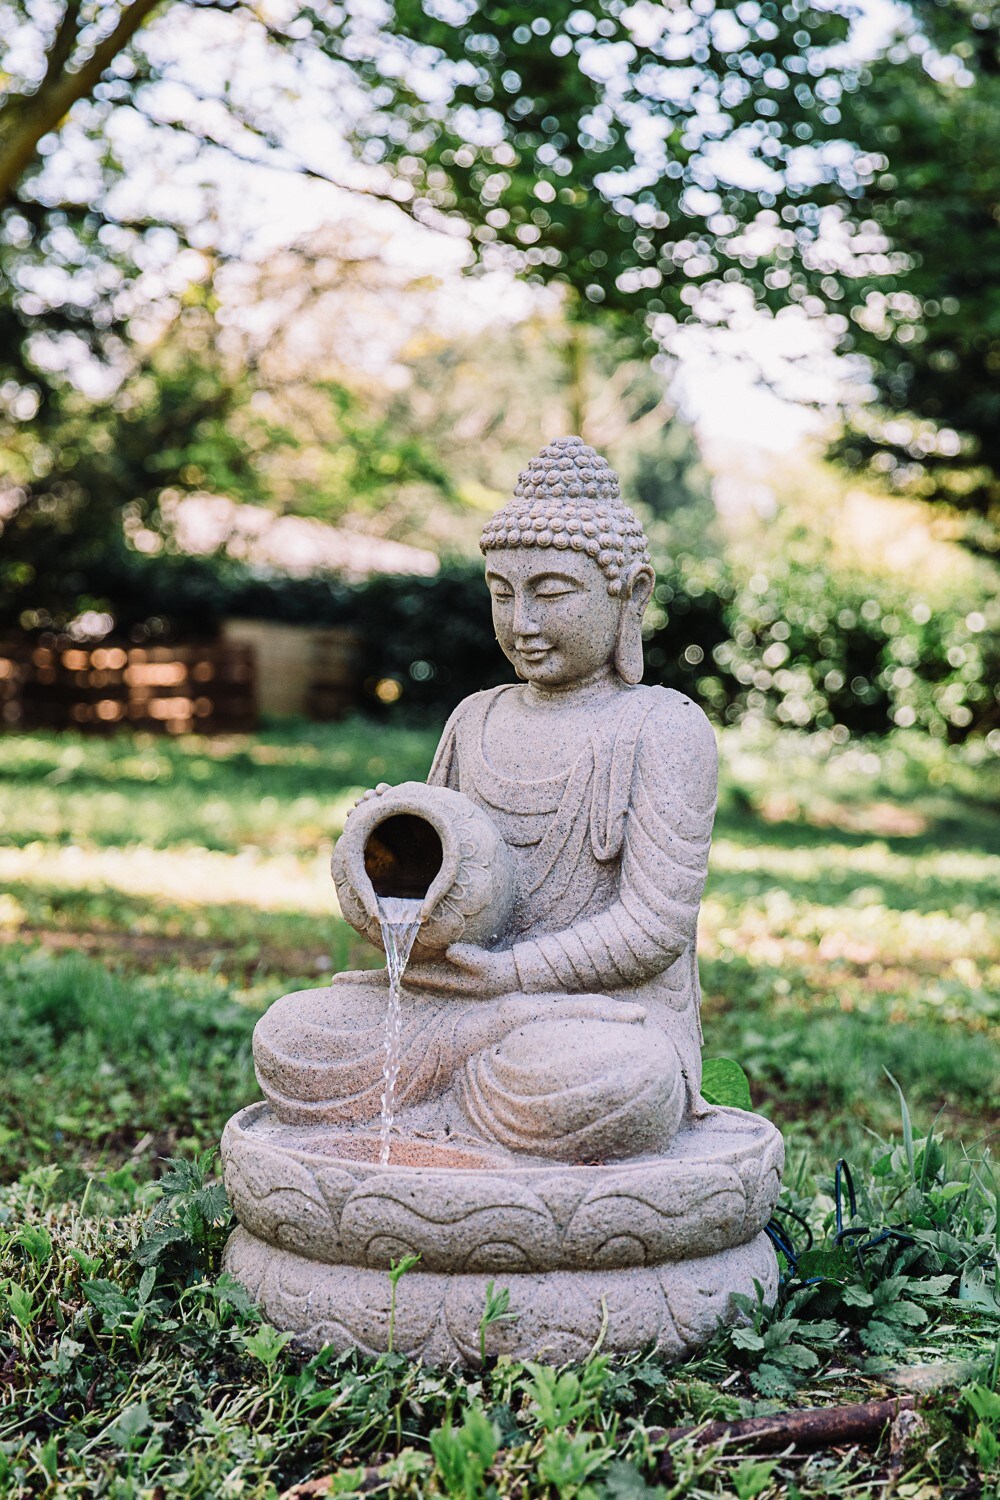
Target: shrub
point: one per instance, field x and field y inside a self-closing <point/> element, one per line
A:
<point x="782" y="639"/>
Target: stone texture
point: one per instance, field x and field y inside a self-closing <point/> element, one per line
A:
<point x="559" y="1316"/>
<point x="323" y="1194"/>
<point x="550" y="1126"/>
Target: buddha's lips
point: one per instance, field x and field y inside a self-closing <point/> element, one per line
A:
<point x="532" y="653"/>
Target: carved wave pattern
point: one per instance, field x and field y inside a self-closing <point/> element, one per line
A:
<point x="714" y="1192"/>
<point x="558" y="1316"/>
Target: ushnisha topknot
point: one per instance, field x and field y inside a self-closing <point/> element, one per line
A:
<point x="568" y="497"/>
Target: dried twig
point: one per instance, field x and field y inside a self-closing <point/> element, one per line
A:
<point x="817" y="1427"/>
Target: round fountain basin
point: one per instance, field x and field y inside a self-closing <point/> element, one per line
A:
<point x="322" y="1193"/>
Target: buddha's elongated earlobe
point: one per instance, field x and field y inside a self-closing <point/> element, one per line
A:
<point x="628" y="645"/>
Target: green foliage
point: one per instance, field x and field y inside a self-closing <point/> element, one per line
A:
<point x="724" y="1082"/>
<point x="850" y="925"/>
<point x="266" y="1344"/>
<point x="464" y="1454"/>
<point x="179" y="1383"/>
<point x="799" y="643"/>
<point x="834" y="946"/>
<point x="564" y="1399"/>
<point x="94" y="1062"/>
<point x="984" y="1403"/>
<point x="812" y="646"/>
<point x="533" y="144"/>
<point x="928" y="317"/>
<point x="783" y="1349"/>
<point x="397" y="1270"/>
<point x="496" y="1309"/>
<point x="187" y="1231"/>
<point x="92" y="477"/>
<point x="752" y="1478"/>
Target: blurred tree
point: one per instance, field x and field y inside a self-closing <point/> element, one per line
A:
<point x="589" y="146"/>
<point x="649" y="159"/>
<point x="593" y="145"/>
<point x="928" y="315"/>
<point x="82" y="486"/>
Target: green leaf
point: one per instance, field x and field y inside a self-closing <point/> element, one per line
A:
<point x="155" y="1241"/>
<point x="36" y="1240"/>
<point x="266" y="1344"/>
<point x="745" y="1338"/>
<point x="980" y="1289"/>
<point x="798" y="1356"/>
<point x="907" y="1125"/>
<point x="724" y="1083"/>
<point x="463" y="1454"/>
<point x="984" y="1402"/>
<point x="107" y="1298"/>
<point x="773" y="1380"/>
<point x="88" y="1265"/>
<point x="906" y="1313"/>
<point x="129" y="1427"/>
<point x="882" y="1338"/>
<point x="823" y="1331"/>
<point x="932" y="1286"/>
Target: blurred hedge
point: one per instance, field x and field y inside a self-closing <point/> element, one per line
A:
<point x="790" y="642"/>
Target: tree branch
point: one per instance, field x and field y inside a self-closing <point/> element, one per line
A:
<point x="63" y="43"/>
<point x="279" y="157"/>
<point x="817" y="1427"/>
<point x="34" y="117"/>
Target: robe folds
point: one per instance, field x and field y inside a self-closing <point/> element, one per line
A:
<point x="610" y="856"/>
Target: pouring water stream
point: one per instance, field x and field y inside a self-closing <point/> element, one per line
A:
<point x="399" y="919"/>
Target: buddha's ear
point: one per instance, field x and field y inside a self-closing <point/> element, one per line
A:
<point x="635" y="595"/>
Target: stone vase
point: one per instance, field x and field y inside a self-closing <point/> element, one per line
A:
<point x="431" y="843"/>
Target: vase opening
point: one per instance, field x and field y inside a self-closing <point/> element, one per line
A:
<point x="403" y="854"/>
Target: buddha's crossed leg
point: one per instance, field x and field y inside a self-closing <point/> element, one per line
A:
<point x="572" y="1077"/>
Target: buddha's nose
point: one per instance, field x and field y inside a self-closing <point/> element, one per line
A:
<point x="525" y="626"/>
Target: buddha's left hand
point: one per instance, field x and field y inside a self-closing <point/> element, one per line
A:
<point x="468" y="971"/>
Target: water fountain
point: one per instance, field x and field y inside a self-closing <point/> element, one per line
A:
<point x="516" y="1098"/>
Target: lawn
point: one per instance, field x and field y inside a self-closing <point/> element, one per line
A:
<point x="156" y="895"/>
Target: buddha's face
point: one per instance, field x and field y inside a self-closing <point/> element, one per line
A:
<point x="554" y="618"/>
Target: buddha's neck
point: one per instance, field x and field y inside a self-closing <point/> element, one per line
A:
<point x="595" y="685"/>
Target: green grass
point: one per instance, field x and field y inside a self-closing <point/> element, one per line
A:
<point x="155" y="896"/>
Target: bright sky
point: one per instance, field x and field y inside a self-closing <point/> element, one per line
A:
<point x="262" y="208"/>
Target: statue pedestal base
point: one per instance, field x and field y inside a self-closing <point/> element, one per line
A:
<point x="560" y="1315"/>
<point x="647" y="1249"/>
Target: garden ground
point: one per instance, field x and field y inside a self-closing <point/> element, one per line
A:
<point x="156" y="895"/>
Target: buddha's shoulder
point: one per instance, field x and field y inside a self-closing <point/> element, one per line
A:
<point x="671" y="721"/>
<point x="475" y="706"/>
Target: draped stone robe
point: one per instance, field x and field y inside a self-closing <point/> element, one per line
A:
<point x="611" y="856"/>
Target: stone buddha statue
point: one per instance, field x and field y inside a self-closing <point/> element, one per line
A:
<point x="541" y="1052"/>
<point x="575" y="1035"/>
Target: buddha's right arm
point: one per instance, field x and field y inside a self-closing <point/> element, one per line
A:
<point x="606" y="952"/>
<point x="668" y="831"/>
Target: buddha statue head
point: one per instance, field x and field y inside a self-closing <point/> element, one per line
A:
<point x="568" y="567"/>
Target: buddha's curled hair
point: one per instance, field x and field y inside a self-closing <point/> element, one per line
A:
<point x="568" y="498"/>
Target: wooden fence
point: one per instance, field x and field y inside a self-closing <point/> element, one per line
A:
<point x="173" y="689"/>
